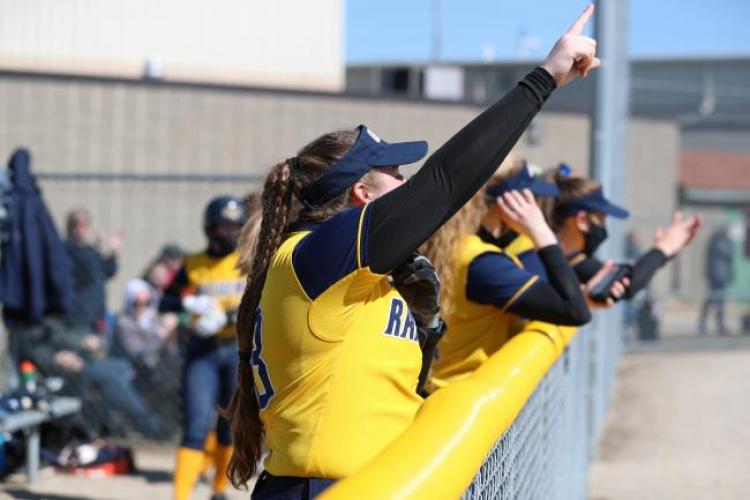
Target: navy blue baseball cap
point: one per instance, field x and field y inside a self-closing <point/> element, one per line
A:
<point x="368" y="151"/>
<point x="523" y="180"/>
<point x="224" y="209"/>
<point x="592" y="202"/>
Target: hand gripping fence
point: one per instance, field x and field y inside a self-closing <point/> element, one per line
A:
<point x="523" y="426"/>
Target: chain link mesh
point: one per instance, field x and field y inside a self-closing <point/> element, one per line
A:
<point x="545" y="452"/>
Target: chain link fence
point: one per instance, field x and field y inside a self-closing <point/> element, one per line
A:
<point x="546" y="451"/>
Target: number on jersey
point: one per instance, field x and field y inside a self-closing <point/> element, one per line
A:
<point x="263" y="387"/>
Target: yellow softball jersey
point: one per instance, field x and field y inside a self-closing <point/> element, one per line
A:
<point x="486" y="282"/>
<point x="523" y="249"/>
<point x="217" y="277"/>
<point x="336" y="355"/>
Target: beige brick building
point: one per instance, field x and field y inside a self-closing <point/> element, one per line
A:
<point x="146" y="157"/>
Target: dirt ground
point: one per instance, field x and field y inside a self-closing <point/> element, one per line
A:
<point x="152" y="481"/>
<point x="678" y="426"/>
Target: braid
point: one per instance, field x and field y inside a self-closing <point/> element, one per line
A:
<point x="243" y="410"/>
<point x="284" y="180"/>
<point x="276" y="200"/>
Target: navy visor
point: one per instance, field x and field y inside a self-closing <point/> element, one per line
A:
<point x="593" y="202"/>
<point x="523" y="180"/>
<point x="368" y="151"/>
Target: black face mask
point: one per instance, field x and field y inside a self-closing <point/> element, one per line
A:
<point x="593" y="238"/>
<point x="222" y="240"/>
<point x="221" y="246"/>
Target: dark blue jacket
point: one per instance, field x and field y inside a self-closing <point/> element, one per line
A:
<point x="35" y="273"/>
<point x="91" y="270"/>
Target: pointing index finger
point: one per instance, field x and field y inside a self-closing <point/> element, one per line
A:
<point x="577" y="27"/>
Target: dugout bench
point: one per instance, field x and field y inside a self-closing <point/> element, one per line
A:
<point x="29" y="421"/>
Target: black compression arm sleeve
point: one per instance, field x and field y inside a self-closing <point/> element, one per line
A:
<point x="560" y="301"/>
<point x="644" y="270"/>
<point x="404" y="218"/>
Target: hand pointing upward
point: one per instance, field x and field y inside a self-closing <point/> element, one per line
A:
<point x="574" y="54"/>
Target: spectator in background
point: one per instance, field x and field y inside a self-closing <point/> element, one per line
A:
<point x="162" y="271"/>
<point x="91" y="269"/>
<point x="719" y="272"/>
<point x="149" y="341"/>
<point x="157" y="276"/>
<point x="141" y="333"/>
<point x="61" y="347"/>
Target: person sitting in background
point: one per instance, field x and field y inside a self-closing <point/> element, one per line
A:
<point x="140" y="331"/>
<point x="148" y="340"/>
<point x="91" y="269"/>
<point x="58" y="346"/>
<point x="161" y="272"/>
<point x="158" y="278"/>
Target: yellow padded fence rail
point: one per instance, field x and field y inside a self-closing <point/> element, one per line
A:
<point x="440" y="452"/>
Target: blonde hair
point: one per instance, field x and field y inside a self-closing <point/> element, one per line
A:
<point x="443" y="245"/>
<point x="249" y="234"/>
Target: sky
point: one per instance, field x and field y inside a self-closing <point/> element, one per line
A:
<point x="400" y="30"/>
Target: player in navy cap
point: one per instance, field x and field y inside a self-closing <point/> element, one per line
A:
<point x="488" y="293"/>
<point x="330" y="350"/>
<point x="513" y="243"/>
<point x="579" y="214"/>
<point x="207" y="290"/>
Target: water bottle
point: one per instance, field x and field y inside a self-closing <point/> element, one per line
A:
<point x="29" y="377"/>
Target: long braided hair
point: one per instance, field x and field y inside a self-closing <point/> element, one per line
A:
<point x="282" y="185"/>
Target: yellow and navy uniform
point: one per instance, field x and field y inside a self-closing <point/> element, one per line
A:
<point x="219" y="278"/>
<point x="210" y="369"/>
<point x="522" y="248"/>
<point x="336" y="355"/>
<point x="486" y="282"/>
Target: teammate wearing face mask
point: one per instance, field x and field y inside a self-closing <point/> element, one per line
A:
<point x="208" y="288"/>
<point x="578" y="216"/>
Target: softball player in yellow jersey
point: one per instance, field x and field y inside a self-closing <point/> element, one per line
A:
<point x="578" y="215"/>
<point x="487" y="291"/>
<point x="329" y="350"/>
<point x="209" y="287"/>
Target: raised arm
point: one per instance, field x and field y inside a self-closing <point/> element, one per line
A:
<point x="402" y="220"/>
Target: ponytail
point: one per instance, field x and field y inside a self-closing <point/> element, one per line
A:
<point x="277" y="199"/>
<point x="243" y="410"/>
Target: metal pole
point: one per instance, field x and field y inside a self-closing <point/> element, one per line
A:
<point x="437" y="30"/>
<point x="608" y="142"/>
<point x="609" y="120"/>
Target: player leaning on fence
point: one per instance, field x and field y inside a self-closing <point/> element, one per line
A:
<point x="579" y="216"/>
<point x="487" y="292"/>
<point x="329" y="352"/>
